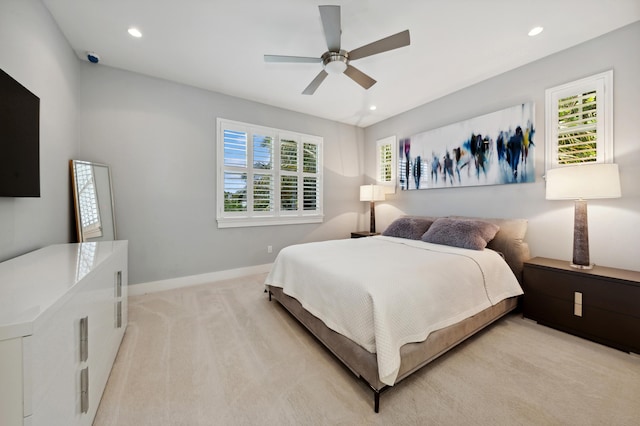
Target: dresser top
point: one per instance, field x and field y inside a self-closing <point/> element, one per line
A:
<point x="44" y="279"/>
<point x="599" y="271"/>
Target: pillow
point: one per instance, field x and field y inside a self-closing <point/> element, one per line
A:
<point x="509" y="241"/>
<point x="408" y="227"/>
<point x="465" y="233"/>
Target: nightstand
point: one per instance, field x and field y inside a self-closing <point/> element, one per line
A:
<point x="361" y="234"/>
<point x="600" y="304"/>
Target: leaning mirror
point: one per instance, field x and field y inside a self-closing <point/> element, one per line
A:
<point x="93" y="201"/>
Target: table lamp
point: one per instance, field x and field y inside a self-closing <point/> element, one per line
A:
<point x="581" y="183"/>
<point x="372" y="193"/>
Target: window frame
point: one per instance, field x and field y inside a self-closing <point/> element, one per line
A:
<point x="602" y="83"/>
<point x="277" y="215"/>
<point x="389" y="185"/>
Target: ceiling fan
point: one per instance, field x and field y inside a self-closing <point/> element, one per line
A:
<point x="336" y="60"/>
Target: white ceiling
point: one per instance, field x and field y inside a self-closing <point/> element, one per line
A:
<point x="219" y="45"/>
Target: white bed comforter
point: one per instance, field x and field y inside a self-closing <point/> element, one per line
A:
<point x="383" y="292"/>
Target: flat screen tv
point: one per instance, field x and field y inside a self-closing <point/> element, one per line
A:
<point x="19" y="139"/>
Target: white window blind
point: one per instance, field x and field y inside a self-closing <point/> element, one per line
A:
<point x="267" y="176"/>
<point x="579" y="121"/>
<point x="310" y="177"/>
<point x="386" y="164"/>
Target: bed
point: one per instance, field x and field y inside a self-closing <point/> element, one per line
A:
<point x="386" y="306"/>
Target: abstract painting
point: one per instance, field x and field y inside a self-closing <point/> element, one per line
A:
<point x="492" y="149"/>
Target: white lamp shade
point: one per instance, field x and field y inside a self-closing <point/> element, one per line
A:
<point x="586" y="181"/>
<point x="371" y="193"/>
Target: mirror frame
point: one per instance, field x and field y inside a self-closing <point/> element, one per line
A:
<point x="105" y="207"/>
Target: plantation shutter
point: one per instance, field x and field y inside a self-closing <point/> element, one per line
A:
<point x="263" y="182"/>
<point x="310" y="177"/>
<point x="235" y="170"/>
<point x="579" y="122"/>
<point x="578" y="128"/>
<point x="289" y="175"/>
<point x="267" y="176"/>
<point x="386" y="164"/>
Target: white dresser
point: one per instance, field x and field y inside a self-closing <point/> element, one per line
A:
<point x="63" y="312"/>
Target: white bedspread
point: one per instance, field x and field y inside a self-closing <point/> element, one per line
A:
<point x="383" y="292"/>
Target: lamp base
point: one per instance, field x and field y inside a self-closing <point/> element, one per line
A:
<point x="581" y="237"/>
<point x="589" y="266"/>
<point x="372" y="223"/>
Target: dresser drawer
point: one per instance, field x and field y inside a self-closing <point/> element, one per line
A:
<point x="606" y="311"/>
<point x="602" y="293"/>
<point x="603" y="326"/>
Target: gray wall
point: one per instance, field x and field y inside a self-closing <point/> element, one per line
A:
<point x="614" y="225"/>
<point x="35" y="53"/>
<point x="159" y="138"/>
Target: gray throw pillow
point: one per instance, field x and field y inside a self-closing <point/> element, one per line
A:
<point x="509" y="241"/>
<point x="464" y="233"/>
<point x="408" y="227"/>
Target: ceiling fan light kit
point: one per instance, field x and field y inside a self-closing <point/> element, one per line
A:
<point x="336" y="60"/>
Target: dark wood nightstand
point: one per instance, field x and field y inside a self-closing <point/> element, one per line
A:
<point x="600" y="304"/>
<point x="361" y="234"/>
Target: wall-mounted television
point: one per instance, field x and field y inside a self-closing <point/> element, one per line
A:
<point x="19" y="139"/>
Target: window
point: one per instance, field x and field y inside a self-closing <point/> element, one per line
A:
<point x="267" y="176"/>
<point x="386" y="151"/>
<point x="579" y="121"/>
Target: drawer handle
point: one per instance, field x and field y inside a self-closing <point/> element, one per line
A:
<point x="119" y="284"/>
<point x="84" y="339"/>
<point x="84" y="390"/>
<point x="118" y="314"/>
<point x="577" y="304"/>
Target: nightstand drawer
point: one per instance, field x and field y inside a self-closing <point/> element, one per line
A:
<point x="598" y="292"/>
<point x="606" y="310"/>
<point x="606" y="327"/>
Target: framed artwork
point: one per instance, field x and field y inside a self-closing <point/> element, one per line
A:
<point x="492" y="149"/>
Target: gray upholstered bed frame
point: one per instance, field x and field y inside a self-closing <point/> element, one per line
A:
<point x="508" y="241"/>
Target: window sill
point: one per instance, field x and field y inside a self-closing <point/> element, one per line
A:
<point x="267" y="221"/>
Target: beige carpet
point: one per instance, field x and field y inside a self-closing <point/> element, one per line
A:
<point x="222" y="354"/>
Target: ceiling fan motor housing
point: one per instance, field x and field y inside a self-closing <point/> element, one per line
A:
<point x="335" y="62"/>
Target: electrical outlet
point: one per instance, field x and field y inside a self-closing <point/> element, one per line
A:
<point x="269" y="249"/>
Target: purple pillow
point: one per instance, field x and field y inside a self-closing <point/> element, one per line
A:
<point x="464" y="233"/>
<point x="408" y="227"/>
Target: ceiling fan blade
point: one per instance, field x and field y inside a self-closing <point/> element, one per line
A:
<point x="395" y="41"/>
<point x="298" y="59"/>
<point x="359" y="77"/>
<point x="311" y="88"/>
<point x="330" y="16"/>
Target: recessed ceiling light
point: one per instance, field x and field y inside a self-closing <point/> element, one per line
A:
<point x="135" y="32"/>
<point x="535" y="31"/>
<point x="373" y="107"/>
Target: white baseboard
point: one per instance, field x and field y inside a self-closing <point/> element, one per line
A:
<point x="173" y="283"/>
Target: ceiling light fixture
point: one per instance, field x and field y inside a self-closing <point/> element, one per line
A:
<point x="134" y="32"/>
<point x="535" y="31"/>
<point x="373" y="107"/>
<point x="335" y="62"/>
